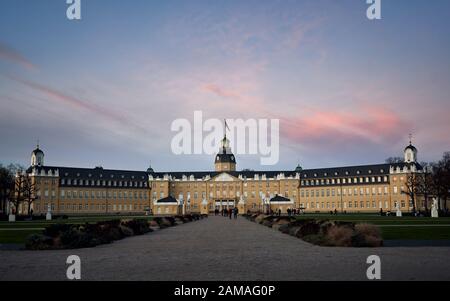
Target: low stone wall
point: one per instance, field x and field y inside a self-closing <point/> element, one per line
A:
<point x="323" y="232"/>
<point x="74" y="236"/>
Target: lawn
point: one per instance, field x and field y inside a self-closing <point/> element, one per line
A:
<point x="17" y="232"/>
<point x="15" y="236"/>
<point x="416" y="233"/>
<point x="398" y="228"/>
<point x="380" y="220"/>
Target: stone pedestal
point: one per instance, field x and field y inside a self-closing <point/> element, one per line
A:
<point x="12" y="218"/>
<point x="434" y="213"/>
<point x="398" y="212"/>
<point x="48" y="216"/>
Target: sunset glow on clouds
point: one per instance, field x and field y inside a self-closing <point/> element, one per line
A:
<point x="105" y="90"/>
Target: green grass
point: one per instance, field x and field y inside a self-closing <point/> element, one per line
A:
<point x="71" y="220"/>
<point x="16" y="236"/>
<point x="399" y="228"/>
<point x="9" y="234"/>
<point x="381" y="220"/>
<point x="416" y="233"/>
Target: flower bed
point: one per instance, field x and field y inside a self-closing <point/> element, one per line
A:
<point x="71" y="236"/>
<point x="323" y="232"/>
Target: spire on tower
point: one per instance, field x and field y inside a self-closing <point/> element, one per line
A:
<point x="225" y="128"/>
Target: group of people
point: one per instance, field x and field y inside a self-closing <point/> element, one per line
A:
<point x="230" y="212"/>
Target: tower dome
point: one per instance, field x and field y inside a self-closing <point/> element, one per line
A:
<point x="225" y="160"/>
<point x="410" y="153"/>
<point x="37" y="157"/>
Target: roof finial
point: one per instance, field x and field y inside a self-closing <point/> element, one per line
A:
<point x="225" y="128"/>
<point x="410" y="139"/>
<point x="37" y="144"/>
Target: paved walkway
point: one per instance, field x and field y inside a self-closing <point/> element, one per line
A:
<point x="221" y="249"/>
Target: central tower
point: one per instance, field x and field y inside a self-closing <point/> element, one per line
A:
<point x="225" y="160"/>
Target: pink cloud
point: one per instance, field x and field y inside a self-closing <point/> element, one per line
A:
<point x="14" y="56"/>
<point x="215" y="89"/>
<point x="367" y="123"/>
<point x="77" y="103"/>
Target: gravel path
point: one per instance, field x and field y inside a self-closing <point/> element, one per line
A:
<point x="221" y="249"/>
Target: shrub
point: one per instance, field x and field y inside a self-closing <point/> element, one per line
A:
<point x="259" y="219"/>
<point x="315" y="239"/>
<point x="138" y="226"/>
<point x="368" y="230"/>
<point x="284" y="228"/>
<point x="38" y="242"/>
<point x="339" y="236"/>
<point x="309" y="228"/>
<point x="267" y="223"/>
<point x="367" y="235"/>
<point x="293" y="230"/>
<point x="126" y="231"/>
<point x="55" y="230"/>
<point x="171" y="219"/>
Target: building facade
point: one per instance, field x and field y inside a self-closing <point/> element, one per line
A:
<point x="365" y="188"/>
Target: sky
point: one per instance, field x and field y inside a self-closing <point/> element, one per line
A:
<point x="105" y="89"/>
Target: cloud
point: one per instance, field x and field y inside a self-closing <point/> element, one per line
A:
<point x="76" y="103"/>
<point x="370" y="124"/>
<point x="14" y="56"/>
<point x="215" y="89"/>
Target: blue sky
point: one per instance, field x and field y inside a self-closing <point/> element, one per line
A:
<point x="104" y="90"/>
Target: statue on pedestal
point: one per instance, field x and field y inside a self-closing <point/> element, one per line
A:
<point x="398" y="212"/>
<point x="48" y="216"/>
<point x="434" y="208"/>
<point x="12" y="214"/>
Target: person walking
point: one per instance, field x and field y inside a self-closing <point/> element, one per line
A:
<point x="236" y="211"/>
<point x="230" y="213"/>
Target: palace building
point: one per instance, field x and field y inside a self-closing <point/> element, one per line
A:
<point x="365" y="188"/>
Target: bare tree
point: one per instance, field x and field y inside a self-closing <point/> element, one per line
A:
<point x="393" y="160"/>
<point x="6" y="186"/>
<point x="29" y="192"/>
<point x="412" y="187"/>
<point x="17" y="196"/>
<point x="425" y="186"/>
<point x="441" y="180"/>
